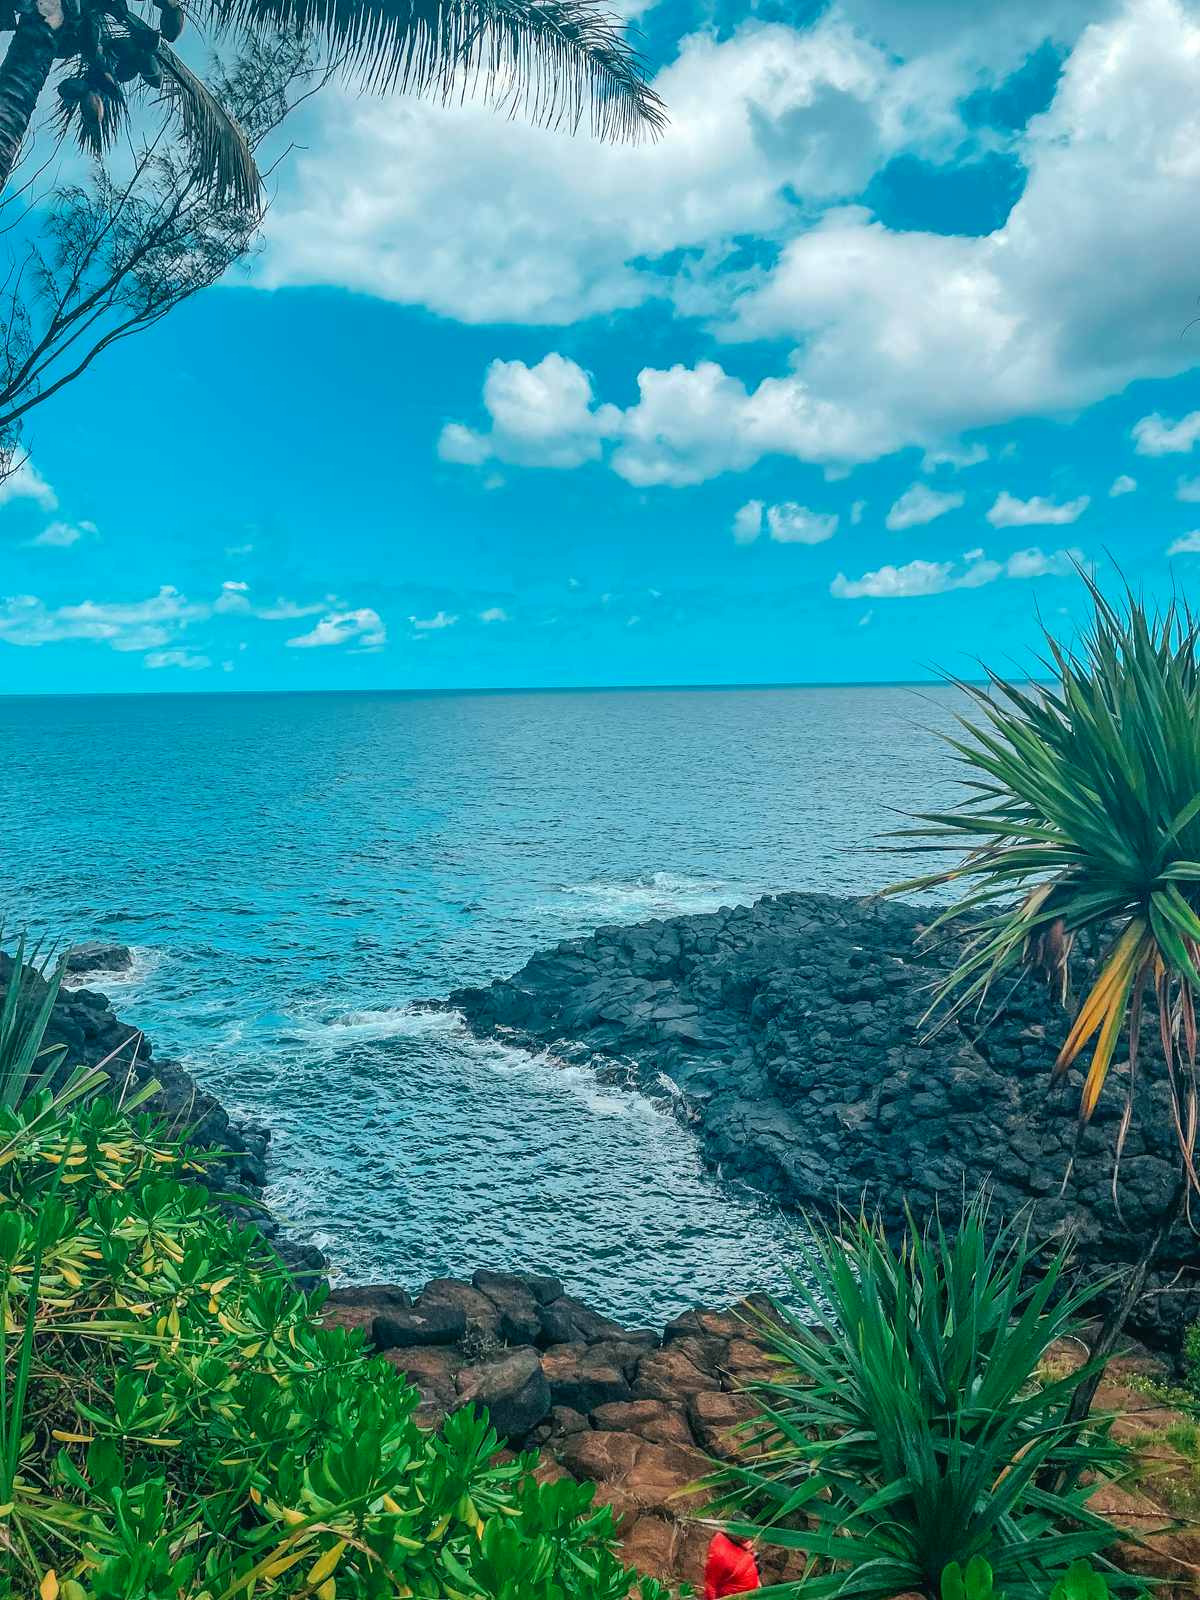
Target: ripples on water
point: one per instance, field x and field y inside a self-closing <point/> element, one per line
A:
<point x="293" y="871"/>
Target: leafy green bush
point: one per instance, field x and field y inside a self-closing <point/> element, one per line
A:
<point x="976" y="1581"/>
<point x="174" y="1425"/>
<point x="907" y="1429"/>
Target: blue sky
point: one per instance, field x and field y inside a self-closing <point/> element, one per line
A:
<point x="832" y="384"/>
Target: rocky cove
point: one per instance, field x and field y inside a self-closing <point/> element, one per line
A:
<point x="792" y="1035"/>
<point x="789" y="1035"/>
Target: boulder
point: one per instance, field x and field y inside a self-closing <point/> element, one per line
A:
<point x="669" y="1374"/>
<point x="582" y="1379"/>
<point x="97" y="956"/>
<point x="431" y="1369"/>
<point x="566" y="1320"/>
<point x="513" y="1389"/>
<point x="541" y="1285"/>
<point x="438" y="1322"/>
<point x="718" y="1421"/>
<point x="649" y="1419"/>
<point x="479" y="1314"/>
<point x="518" y="1318"/>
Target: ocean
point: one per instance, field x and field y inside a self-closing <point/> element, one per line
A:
<point x="294" y="871"/>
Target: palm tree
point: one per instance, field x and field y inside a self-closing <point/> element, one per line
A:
<point x="556" y="61"/>
<point x="1083" y="816"/>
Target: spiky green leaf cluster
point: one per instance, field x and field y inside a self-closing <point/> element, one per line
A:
<point x="908" y="1428"/>
<point x="1083" y="814"/>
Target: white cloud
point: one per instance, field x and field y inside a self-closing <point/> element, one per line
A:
<point x="1155" y="436"/>
<point x="363" y="628"/>
<point x="1009" y="512"/>
<point x="790" y="523"/>
<point x="956" y="456"/>
<point x="786" y="523"/>
<point x="856" y="511"/>
<point x="1188" y="490"/>
<point x="61" y="535"/>
<point x="1123" y="484"/>
<point x="541" y="416"/>
<point x="434" y="624"/>
<point x="1186" y="545"/>
<point x="488" y="220"/>
<point x="124" y="625"/>
<point x="920" y="504"/>
<point x="747" y="522"/>
<point x="938" y="577"/>
<point x="494" y="614"/>
<point x="176" y="658"/>
<point x="27" y="483"/>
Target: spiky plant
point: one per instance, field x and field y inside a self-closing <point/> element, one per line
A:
<point x="556" y="61"/>
<point x="909" y="1428"/>
<point x="1083" y="816"/>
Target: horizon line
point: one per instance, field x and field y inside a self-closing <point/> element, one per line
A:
<point x="520" y="689"/>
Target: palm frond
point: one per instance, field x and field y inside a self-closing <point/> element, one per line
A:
<point x="1083" y="812"/>
<point x="220" y="151"/>
<point x="557" y="62"/>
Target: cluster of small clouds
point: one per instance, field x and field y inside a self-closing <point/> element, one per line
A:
<point x="154" y="625"/>
<point x="938" y="577"/>
<point x="22" y="481"/>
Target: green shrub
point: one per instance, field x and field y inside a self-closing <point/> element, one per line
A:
<point x="976" y="1582"/>
<point x="907" y="1428"/>
<point x="174" y="1425"/>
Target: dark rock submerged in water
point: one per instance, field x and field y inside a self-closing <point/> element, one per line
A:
<point x="791" y="1033"/>
<point x="98" y="957"/>
<point x="85" y="1025"/>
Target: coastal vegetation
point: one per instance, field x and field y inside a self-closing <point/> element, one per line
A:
<point x="176" y="1425"/>
<point x="1082" y="822"/>
<point x="910" y="1431"/>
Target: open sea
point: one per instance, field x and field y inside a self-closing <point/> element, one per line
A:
<point x="292" y="871"/>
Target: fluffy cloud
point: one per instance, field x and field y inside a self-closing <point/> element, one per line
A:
<point x="1057" y="308"/>
<point x="1186" y="545"/>
<point x="363" y="628"/>
<point x="435" y="624"/>
<point x="1009" y="512"/>
<point x="494" y="614"/>
<point x="489" y="220"/>
<point x="62" y="535"/>
<point x="541" y="416"/>
<point x="1188" y="490"/>
<point x="1123" y="484"/>
<point x="786" y="523"/>
<point x="184" y="659"/>
<point x="1155" y="436"/>
<point x="920" y="504"/>
<point x="937" y="577"/>
<point x="689" y="423"/>
<point x="26" y="483"/>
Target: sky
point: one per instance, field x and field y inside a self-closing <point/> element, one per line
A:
<point x="840" y="380"/>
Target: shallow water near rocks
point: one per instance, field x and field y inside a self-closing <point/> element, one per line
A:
<point x="293" y="871"/>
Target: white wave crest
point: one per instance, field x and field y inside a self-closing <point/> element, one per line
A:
<point x="388" y="1022"/>
<point x="662" y="894"/>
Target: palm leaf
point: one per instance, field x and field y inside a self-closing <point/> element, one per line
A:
<point x="556" y="62"/>
<point x="220" y="152"/>
<point x="1082" y="811"/>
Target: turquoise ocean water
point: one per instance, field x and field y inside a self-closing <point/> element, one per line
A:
<point x="292" y="871"/>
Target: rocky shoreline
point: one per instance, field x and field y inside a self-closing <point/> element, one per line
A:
<point x="790" y="1035"/>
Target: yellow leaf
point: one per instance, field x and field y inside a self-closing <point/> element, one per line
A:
<point x="282" y="1563"/>
<point x="328" y="1590"/>
<point x="71" y="1438"/>
<point x="71" y="1276"/>
<point x="326" y="1564"/>
<point x="48" y="1588"/>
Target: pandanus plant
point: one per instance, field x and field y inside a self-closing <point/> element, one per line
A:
<point x="557" y="61"/>
<point x="1083" y="818"/>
